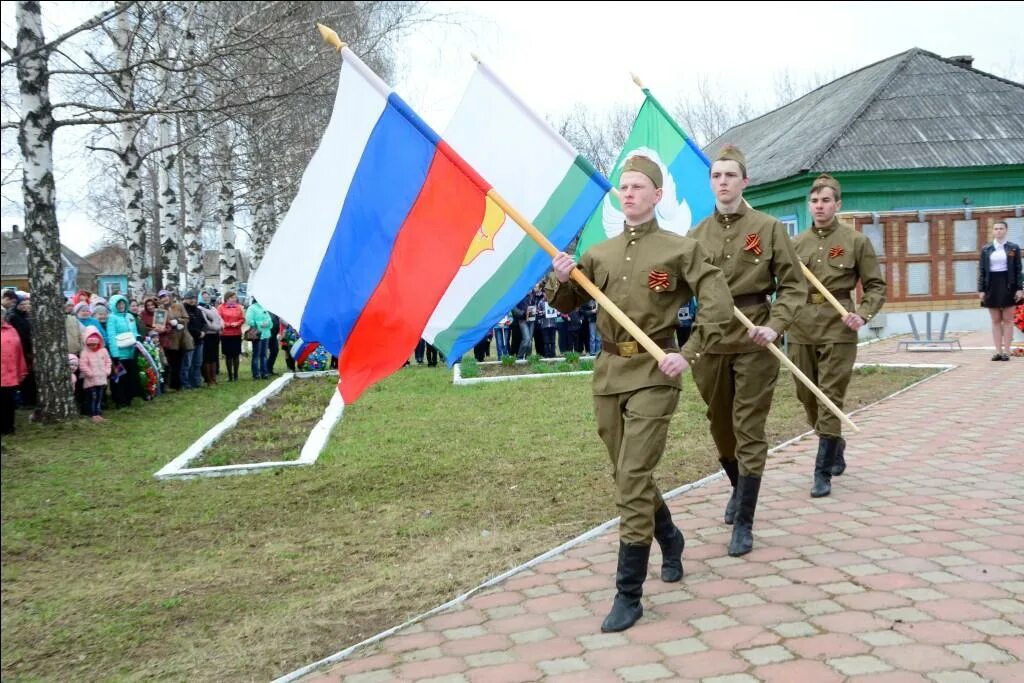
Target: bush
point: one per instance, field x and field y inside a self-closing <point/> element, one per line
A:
<point x="470" y="368"/>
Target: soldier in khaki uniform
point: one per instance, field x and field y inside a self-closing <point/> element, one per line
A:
<point x="648" y="273"/>
<point x="821" y="344"/>
<point x="737" y="377"/>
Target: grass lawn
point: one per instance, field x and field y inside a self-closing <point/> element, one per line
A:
<point x="424" y="490"/>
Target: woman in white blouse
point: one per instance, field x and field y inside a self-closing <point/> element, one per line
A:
<point x="1000" y="286"/>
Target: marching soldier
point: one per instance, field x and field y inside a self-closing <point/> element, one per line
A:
<point x="649" y="273"/>
<point x="737" y="376"/>
<point x="821" y="344"/>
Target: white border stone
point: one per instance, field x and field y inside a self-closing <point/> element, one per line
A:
<point x="459" y="380"/>
<point x="315" y="442"/>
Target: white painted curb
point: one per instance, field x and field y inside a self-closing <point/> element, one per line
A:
<point x="315" y="442"/>
<point x="459" y="380"/>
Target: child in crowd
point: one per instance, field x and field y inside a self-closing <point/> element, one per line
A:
<point x="95" y="367"/>
<point x="73" y="365"/>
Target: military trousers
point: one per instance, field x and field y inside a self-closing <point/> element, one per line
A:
<point x="738" y="389"/>
<point x="830" y="366"/>
<point x="634" y="428"/>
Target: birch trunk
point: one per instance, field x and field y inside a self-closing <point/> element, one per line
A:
<point x="168" y="206"/>
<point x="42" y="235"/>
<point x="226" y="213"/>
<point x="132" y="195"/>
<point x="192" y="197"/>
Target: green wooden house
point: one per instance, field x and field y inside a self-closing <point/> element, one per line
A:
<point x="929" y="151"/>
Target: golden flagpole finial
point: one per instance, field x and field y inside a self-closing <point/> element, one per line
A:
<point x="330" y="37"/>
<point x="636" y="79"/>
<point x="475" y="56"/>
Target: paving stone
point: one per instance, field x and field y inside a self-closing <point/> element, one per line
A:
<point x="371" y="677"/>
<point x="644" y="672"/>
<point x="731" y="678"/>
<point x="465" y="632"/>
<point x="962" y="676"/>
<point x="980" y="653"/>
<point x="770" y="654"/>
<point x="714" y="623"/>
<point x="552" y="667"/>
<point x="861" y="664"/>
<point x="504" y="611"/>
<point x="743" y="600"/>
<point x="489" y="658"/>
<point x="996" y="627"/>
<point x="795" y="629"/>
<point x="905" y="614"/>
<point x="571" y="613"/>
<point x="818" y="607"/>
<point x="532" y="636"/>
<point x="883" y="638"/>
<point x="421" y="654"/>
<point x="921" y="594"/>
<point x="450" y="678"/>
<point x="602" y="640"/>
<point x="683" y="646"/>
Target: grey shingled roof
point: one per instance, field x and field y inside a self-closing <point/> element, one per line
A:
<point x="913" y="110"/>
<point x="15" y="257"/>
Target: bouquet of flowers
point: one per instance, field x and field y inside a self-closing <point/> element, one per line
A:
<point x="311" y="357"/>
<point x="149" y="368"/>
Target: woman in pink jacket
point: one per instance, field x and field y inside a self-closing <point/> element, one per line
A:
<point x="13" y="369"/>
<point x="94" y="366"/>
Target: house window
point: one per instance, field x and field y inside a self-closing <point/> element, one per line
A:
<point x="965" y="236"/>
<point x="111" y="288"/>
<point x="919" y="279"/>
<point x="917" y="238"/>
<point x="876" y="233"/>
<point x="792" y="227"/>
<point x="1015" y="230"/>
<point x="965" y="277"/>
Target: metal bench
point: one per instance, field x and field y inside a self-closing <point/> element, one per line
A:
<point x="929" y="343"/>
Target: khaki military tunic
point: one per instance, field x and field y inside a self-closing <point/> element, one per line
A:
<point x="737" y="377"/>
<point x="820" y="343"/>
<point x="649" y="273"/>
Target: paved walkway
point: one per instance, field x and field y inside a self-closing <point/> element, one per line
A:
<point x="912" y="570"/>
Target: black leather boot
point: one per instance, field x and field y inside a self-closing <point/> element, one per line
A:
<point x="747" y="489"/>
<point x="671" y="540"/>
<point x="629" y="581"/>
<point x="732" y="470"/>
<point x="823" y="466"/>
<point x="839" y="466"/>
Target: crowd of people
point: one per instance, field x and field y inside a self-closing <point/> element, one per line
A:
<point x="120" y="349"/>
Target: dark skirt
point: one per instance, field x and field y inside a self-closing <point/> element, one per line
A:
<point x="998" y="294"/>
<point x="211" y="348"/>
<point x="231" y="346"/>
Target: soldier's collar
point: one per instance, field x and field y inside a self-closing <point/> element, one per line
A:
<point x="728" y="218"/>
<point x="640" y="230"/>
<point x="827" y="229"/>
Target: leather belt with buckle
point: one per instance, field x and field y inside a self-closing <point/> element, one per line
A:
<point x="819" y="298"/>
<point x="631" y="348"/>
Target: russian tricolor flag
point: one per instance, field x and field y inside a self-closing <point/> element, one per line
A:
<point x="382" y="222"/>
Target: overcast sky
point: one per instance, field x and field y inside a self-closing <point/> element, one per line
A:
<point x="555" y="55"/>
